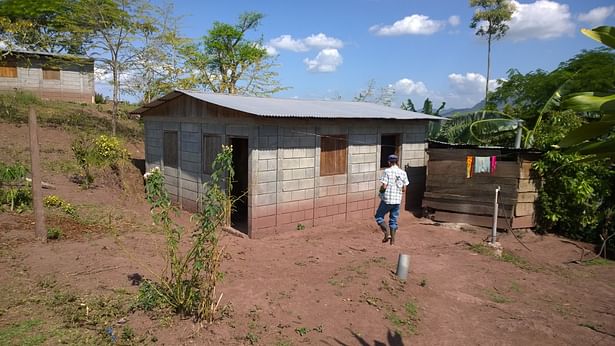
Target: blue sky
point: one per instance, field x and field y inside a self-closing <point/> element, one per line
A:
<point x="423" y="48"/>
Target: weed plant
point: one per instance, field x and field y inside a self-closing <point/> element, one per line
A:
<point x="15" y="191"/>
<point x="100" y="152"/>
<point x="188" y="283"/>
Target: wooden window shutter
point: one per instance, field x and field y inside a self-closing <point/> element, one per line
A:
<point x="333" y="154"/>
<point x="170" y="149"/>
<point x="8" y="71"/>
<point x="51" y="74"/>
<point x="211" y="147"/>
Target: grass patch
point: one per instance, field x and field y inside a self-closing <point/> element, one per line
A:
<point x="405" y="323"/>
<point x="598" y="261"/>
<point x="497" y="297"/>
<point x="518" y="261"/>
<point x="507" y="256"/>
<point x="23" y="333"/>
<point x="76" y="117"/>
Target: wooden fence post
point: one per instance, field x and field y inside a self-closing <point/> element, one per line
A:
<point x="37" y="193"/>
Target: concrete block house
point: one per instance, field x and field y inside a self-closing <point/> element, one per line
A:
<point x="302" y="162"/>
<point x="48" y="75"/>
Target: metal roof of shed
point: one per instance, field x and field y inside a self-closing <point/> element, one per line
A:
<point x="295" y="108"/>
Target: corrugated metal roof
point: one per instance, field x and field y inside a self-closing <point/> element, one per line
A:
<point x="59" y="55"/>
<point x="296" y="108"/>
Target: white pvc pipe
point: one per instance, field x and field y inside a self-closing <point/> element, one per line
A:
<point x="403" y="264"/>
<point x="494" y="229"/>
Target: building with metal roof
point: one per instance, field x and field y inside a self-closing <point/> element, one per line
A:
<point x="48" y="75"/>
<point x="298" y="163"/>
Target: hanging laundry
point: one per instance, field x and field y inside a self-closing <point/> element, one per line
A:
<point x="482" y="164"/>
<point x="493" y="164"/>
<point x="469" y="161"/>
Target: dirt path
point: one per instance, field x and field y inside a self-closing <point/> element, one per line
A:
<point x="336" y="287"/>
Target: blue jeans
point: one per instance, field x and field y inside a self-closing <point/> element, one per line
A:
<point x="392" y="209"/>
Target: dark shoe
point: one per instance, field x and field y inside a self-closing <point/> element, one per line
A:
<point x="385" y="229"/>
<point x="392" y="237"/>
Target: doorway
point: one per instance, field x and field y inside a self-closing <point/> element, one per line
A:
<point x="239" y="190"/>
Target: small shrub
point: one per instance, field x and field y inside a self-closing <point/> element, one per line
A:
<point x="54" y="233"/>
<point x="15" y="191"/>
<point x="53" y="201"/>
<point x="103" y="151"/>
<point x="99" y="98"/>
<point x="190" y="286"/>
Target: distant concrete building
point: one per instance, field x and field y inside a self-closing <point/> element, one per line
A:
<point x="302" y="162"/>
<point x="48" y="75"/>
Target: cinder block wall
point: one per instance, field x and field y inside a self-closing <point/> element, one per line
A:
<point x="286" y="190"/>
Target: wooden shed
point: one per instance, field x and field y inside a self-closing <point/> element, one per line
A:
<point x="301" y="162"/>
<point x="48" y="75"/>
<point x="453" y="195"/>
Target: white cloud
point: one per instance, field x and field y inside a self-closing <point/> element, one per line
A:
<point x="598" y="15"/>
<point x="322" y="41"/>
<point x="543" y="19"/>
<point x="467" y="89"/>
<point x="289" y="43"/>
<point x="409" y="87"/>
<point x="454" y="20"/>
<point x="318" y="41"/>
<point x="271" y="51"/>
<point x="415" y="24"/>
<point x="327" y="60"/>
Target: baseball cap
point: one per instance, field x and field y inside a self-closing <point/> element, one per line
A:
<point x="393" y="158"/>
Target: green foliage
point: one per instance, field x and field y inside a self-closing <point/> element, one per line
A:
<point x="227" y="62"/>
<point x="577" y="199"/>
<point x="40" y="25"/>
<point x="54" y="233"/>
<point x="406" y="323"/>
<point x="22" y="333"/>
<point x="53" y="201"/>
<point x="99" y="98"/>
<point x="189" y="287"/>
<point x="302" y="331"/>
<point x="490" y="19"/>
<point x="103" y="151"/>
<point x="15" y="191"/>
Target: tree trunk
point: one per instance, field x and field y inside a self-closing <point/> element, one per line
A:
<point x="488" y="74"/>
<point x="115" y="99"/>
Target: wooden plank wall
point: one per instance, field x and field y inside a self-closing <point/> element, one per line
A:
<point x="454" y="198"/>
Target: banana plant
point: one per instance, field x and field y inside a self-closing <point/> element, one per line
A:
<point x="596" y="140"/>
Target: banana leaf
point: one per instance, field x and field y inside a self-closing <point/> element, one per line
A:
<point x="603" y="34"/>
<point x="586" y="132"/>
<point x="606" y="147"/>
<point x="590" y="102"/>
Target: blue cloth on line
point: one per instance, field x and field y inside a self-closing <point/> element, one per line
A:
<point x="482" y="164"/>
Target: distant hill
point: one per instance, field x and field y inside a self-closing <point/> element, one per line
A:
<point x="447" y="113"/>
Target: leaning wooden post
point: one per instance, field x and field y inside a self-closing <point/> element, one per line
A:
<point x="37" y="193"/>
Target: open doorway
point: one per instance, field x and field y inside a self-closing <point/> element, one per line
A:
<point x="239" y="218"/>
<point x="389" y="144"/>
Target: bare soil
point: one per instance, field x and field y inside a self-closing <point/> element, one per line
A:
<point x="332" y="285"/>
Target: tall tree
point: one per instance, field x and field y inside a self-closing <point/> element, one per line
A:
<point x="226" y="61"/>
<point x="490" y="19"/>
<point x="383" y="95"/>
<point x="114" y="24"/>
<point x="40" y="25"/>
<point x="158" y="64"/>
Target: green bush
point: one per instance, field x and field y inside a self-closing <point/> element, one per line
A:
<point x="577" y="199"/>
<point x="99" y="98"/>
<point x="54" y="233"/>
<point x="15" y="191"/>
<point x="102" y="151"/>
<point x="53" y="201"/>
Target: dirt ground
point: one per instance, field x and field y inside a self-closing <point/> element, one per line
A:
<point x="331" y="285"/>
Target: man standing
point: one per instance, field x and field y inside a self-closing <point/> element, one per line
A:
<point x="394" y="181"/>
